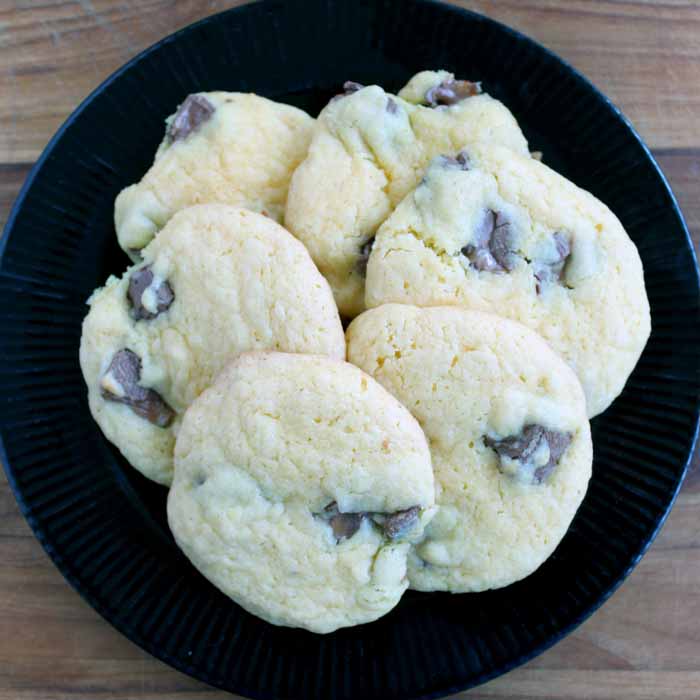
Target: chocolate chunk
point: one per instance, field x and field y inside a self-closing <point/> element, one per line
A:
<point x="365" y="251"/>
<point x="493" y="247"/>
<point x="558" y="444"/>
<point x="459" y="162"/>
<point x="344" y="525"/>
<point x="398" y="524"/>
<point x="551" y="270"/>
<point x="450" y="92"/>
<point x="190" y="115"/>
<point x="563" y="245"/>
<point x="502" y="241"/>
<point x="349" y="86"/>
<point x="523" y="447"/>
<point x="125" y="371"/>
<point x="139" y="281"/>
<point x="520" y="447"/>
<point x="391" y="106"/>
<point x="478" y="253"/>
<point x="393" y="525"/>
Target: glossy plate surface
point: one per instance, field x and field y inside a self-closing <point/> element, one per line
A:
<point x="105" y="526"/>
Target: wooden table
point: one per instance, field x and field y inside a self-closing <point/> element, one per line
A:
<point x="645" y="642"/>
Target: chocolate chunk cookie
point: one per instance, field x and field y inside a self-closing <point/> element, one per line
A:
<point x="506" y="421"/>
<point x="510" y="236"/>
<point x="225" y="147"/>
<point x="369" y="149"/>
<point x="299" y="486"/>
<point x="215" y="282"/>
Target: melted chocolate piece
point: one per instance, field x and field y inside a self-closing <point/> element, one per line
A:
<point x="394" y="525"/>
<point x="398" y="524"/>
<point x="125" y="369"/>
<point x="139" y="281"/>
<point x="558" y="444"/>
<point x="349" y="86"/>
<point x="493" y="249"/>
<point x="450" y="92"/>
<point x="551" y="271"/>
<point x="523" y="447"/>
<point x="190" y="115"/>
<point x="344" y="525"/>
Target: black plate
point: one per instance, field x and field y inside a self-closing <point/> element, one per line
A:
<point x="104" y="525"/>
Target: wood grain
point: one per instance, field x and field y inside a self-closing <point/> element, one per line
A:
<point x="645" y="55"/>
<point x="644" y="644"/>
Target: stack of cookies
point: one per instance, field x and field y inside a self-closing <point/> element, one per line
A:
<point x="493" y="308"/>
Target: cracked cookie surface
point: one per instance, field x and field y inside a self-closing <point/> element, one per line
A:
<point x="219" y="147"/>
<point x="299" y="484"/>
<point x="510" y="442"/>
<point x="507" y="235"/>
<point x="369" y="149"/>
<point x="217" y="281"/>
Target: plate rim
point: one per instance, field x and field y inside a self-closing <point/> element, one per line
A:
<point x="122" y="625"/>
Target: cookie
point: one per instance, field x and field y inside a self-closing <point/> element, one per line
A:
<point x="509" y="437"/>
<point x="496" y="231"/>
<point x="215" y="282"/>
<point x="299" y="484"/>
<point x="225" y="147"/>
<point x="369" y="149"/>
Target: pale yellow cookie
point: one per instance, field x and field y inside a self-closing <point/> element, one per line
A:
<point x="225" y="147"/>
<point x="299" y="485"/>
<point x="506" y="421"/>
<point x="215" y="282"/>
<point x="369" y="149"/>
<point x="497" y="231"/>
